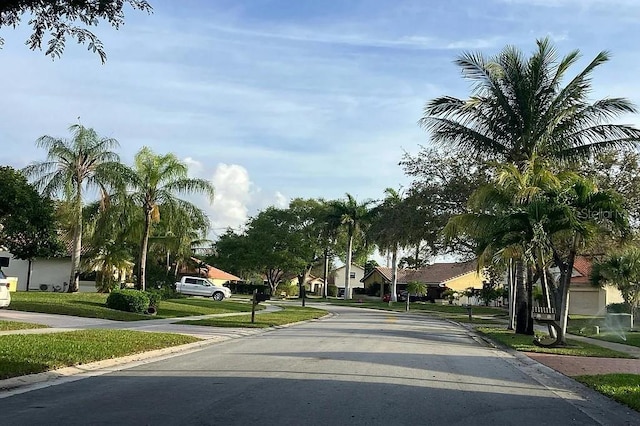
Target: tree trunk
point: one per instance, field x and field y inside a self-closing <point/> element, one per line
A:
<point x="521" y="299"/>
<point x="29" y="274"/>
<point x="347" y="271"/>
<point x="530" y="330"/>
<point x="565" y="282"/>
<point x="512" y="293"/>
<point x="74" y="277"/>
<point x="325" y="272"/>
<point x="142" y="268"/>
<point x="394" y="275"/>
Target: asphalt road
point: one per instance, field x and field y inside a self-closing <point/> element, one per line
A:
<point x="359" y="367"/>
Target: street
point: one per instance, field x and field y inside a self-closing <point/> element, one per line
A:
<point x="358" y="367"/>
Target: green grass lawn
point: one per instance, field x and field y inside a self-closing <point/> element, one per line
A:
<point x="624" y="388"/>
<point x="16" y="325"/>
<point x="584" y="326"/>
<point x="480" y="314"/>
<point x="22" y="354"/>
<point x="92" y="305"/>
<point x="288" y="315"/>
<point x="524" y="343"/>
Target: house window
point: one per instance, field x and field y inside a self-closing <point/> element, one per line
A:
<point x="352" y="274"/>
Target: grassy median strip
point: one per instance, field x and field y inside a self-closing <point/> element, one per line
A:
<point x="288" y="315"/>
<point x="22" y="354"/>
<point x="16" y="325"/>
<point x="624" y="388"/>
<point x="92" y="305"/>
<point x="524" y="343"/>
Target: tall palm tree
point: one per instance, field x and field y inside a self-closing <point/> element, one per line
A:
<point x="152" y="184"/>
<point x="84" y="162"/>
<point x="519" y="107"/>
<point x="353" y="217"/>
<point x="390" y="230"/>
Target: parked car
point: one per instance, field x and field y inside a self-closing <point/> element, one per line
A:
<point x="196" y="286"/>
<point x="5" y="295"/>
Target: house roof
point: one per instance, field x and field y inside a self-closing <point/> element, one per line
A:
<point x="213" y="272"/>
<point x="353" y="265"/>
<point x="581" y="266"/>
<point x="436" y="273"/>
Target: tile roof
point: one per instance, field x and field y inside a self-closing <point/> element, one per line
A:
<point x="211" y="271"/>
<point x="432" y="274"/>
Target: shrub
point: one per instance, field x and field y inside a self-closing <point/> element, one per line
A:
<point x="128" y="301"/>
<point x="155" y="296"/>
<point x="290" y="290"/>
<point x="618" y="308"/>
<point x="332" y="290"/>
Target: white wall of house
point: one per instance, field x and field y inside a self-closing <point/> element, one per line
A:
<point x="357" y="273"/>
<point x="43" y="271"/>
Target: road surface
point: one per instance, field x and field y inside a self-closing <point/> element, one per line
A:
<point x="359" y="367"/>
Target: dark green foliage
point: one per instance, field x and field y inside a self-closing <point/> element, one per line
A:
<point x="27" y="225"/>
<point x="618" y="308"/>
<point x="155" y="296"/>
<point x="128" y="301"/>
<point x="332" y="290"/>
<point x="58" y="16"/>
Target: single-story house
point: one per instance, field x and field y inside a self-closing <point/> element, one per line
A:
<point x="438" y="277"/>
<point x="47" y="274"/>
<point x="586" y="299"/>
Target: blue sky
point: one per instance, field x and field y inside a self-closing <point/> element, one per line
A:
<point x="279" y="99"/>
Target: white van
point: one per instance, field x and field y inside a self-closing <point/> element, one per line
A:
<point x="5" y="295"/>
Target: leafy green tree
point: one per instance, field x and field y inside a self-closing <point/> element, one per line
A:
<point x="57" y="17"/>
<point x="113" y="262"/>
<point x="354" y="218"/>
<point x="151" y="185"/>
<point x="441" y="186"/>
<point x="27" y="219"/>
<point x="621" y="269"/>
<point x="84" y="162"/>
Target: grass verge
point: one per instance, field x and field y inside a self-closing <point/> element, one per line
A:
<point x="16" y="325"/>
<point x="624" y="388"/>
<point x="288" y="315"/>
<point x="22" y="354"/>
<point x="91" y="305"/>
<point x="524" y="343"/>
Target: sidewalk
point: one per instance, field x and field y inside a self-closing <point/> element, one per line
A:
<point x="62" y="323"/>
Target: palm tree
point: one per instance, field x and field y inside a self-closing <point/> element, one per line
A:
<point x="390" y="230"/>
<point x="353" y="217"/>
<point x="152" y="184"/>
<point x="538" y="218"/>
<point x="84" y="162"/>
<point x="621" y="269"/>
<point x="518" y="108"/>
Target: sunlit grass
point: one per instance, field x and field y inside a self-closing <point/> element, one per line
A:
<point x="288" y="315"/>
<point x="624" y="388"/>
<point x="16" y="325"/>
<point x="524" y="343"/>
<point x="22" y="354"/>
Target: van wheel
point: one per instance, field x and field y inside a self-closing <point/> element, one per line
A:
<point x="217" y="296"/>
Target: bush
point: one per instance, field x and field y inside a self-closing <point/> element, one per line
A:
<point x="155" y="296"/>
<point x="618" y="308"/>
<point x="332" y="290"/>
<point x="128" y="301"/>
<point x="289" y="290"/>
